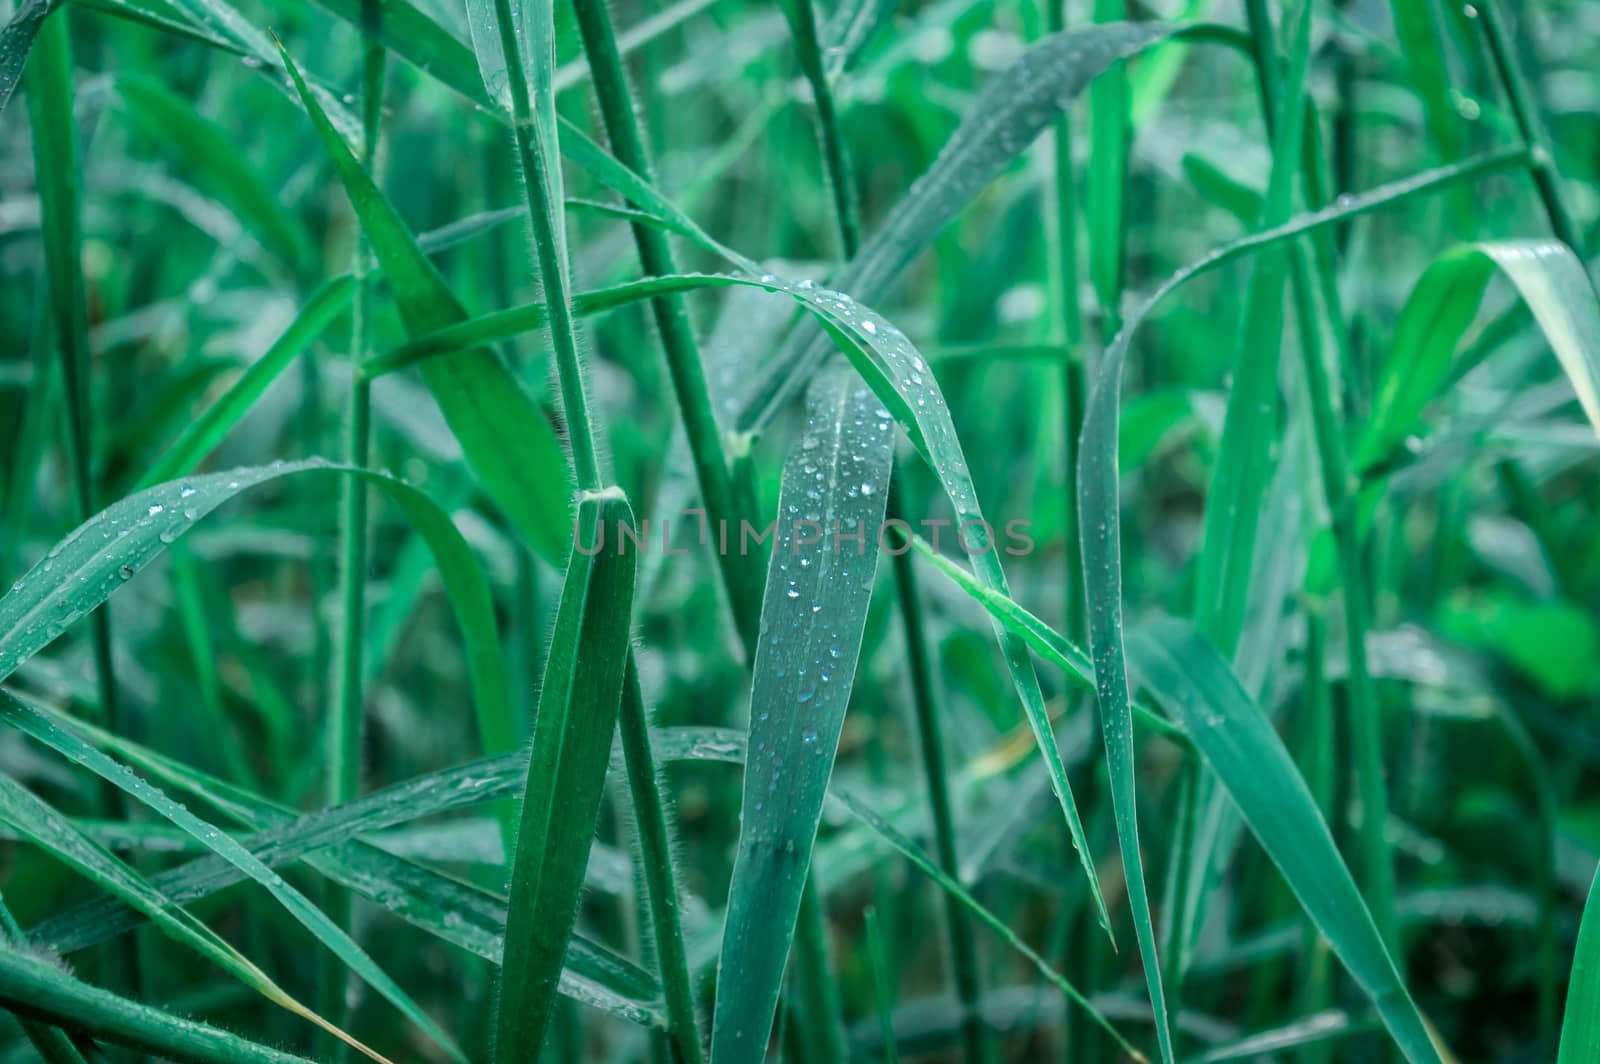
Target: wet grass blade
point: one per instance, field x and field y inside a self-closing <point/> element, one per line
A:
<point x="20" y="715"/>
<point x="572" y="733"/>
<point x="32" y="986"/>
<point x="814" y="612"/>
<point x="1013" y="110"/>
<point x="1195" y="684"/>
<point x="508" y="441"/>
<point x="51" y="831"/>
<point x="1580" y="1031"/>
<point x="89" y="565"/>
<point x="16" y="40"/>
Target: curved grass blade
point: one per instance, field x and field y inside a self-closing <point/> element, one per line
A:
<point x="909" y="393"/>
<point x="1194" y="683"/>
<point x="89" y="565"/>
<point x="51" y="831"/>
<point x="1098" y="501"/>
<point x="216" y="165"/>
<point x="508" y="441"/>
<point x="1580" y="1030"/>
<point x="463" y="915"/>
<point x="1552" y="283"/>
<point x="32" y="986"/>
<point x="1012" y="111"/>
<point x="70" y="745"/>
<point x="201" y="436"/>
<point x="577" y="717"/>
<point x="16" y="39"/>
<point x="813" y="616"/>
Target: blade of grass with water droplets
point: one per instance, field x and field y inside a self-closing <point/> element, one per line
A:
<point x="52" y="832"/>
<point x="458" y="913"/>
<point x="508" y="441"/>
<point x="33" y="986"/>
<point x="16" y="39"/>
<point x="89" y="565"/>
<point x="813" y="616"/>
<point x="1194" y="683"/>
<point x="67" y="743"/>
<point x="578" y="704"/>
<point x="1000" y="125"/>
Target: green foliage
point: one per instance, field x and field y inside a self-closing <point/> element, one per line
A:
<point x="1225" y="429"/>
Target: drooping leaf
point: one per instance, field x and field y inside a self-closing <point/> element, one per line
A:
<point x="1580" y="1031"/>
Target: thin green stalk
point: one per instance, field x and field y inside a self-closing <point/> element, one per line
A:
<point x="930" y="736"/>
<point x="1525" y="109"/>
<point x="1377" y="862"/>
<point x="655" y="846"/>
<point x="741" y="576"/>
<point x="802" y="21"/>
<point x="344" y="735"/>
<point x="825" y="1037"/>
<point x="548" y="245"/>
<point x="60" y="179"/>
<point x="882" y="985"/>
<point x="1107" y="191"/>
<point x="1316" y="988"/>
<point x="1073" y="372"/>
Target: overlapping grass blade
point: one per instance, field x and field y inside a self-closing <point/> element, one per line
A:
<point x="51" y="831"/>
<point x="925" y="864"/>
<point x="508" y="441"/>
<point x="1580" y="1031"/>
<point x="1001" y="124"/>
<point x="32" y="986"/>
<point x="578" y="704"/>
<point x="458" y="913"/>
<point x="1188" y="677"/>
<point x="1551" y="281"/>
<point x="819" y="585"/>
<point x="86" y="568"/>
<point x="16" y="39"/>
<point x="19" y="714"/>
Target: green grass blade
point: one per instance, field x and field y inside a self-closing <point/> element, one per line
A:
<point x="86" y="568"/>
<point x="67" y="743"/>
<point x="1551" y="281"/>
<point x="1194" y="683"/>
<point x="814" y="612"/>
<point x="32" y="986"/>
<point x="578" y="705"/>
<point x="925" y="864"/>
<point x="51" y="831"/>
<point x="1010" y="114"/>
<point x="201" y="435"/>
<point x="509" y="443"/>
<point x="16" y="40"/>
<point x="458" y="913"/>
<point x="1580" y="1031"/>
